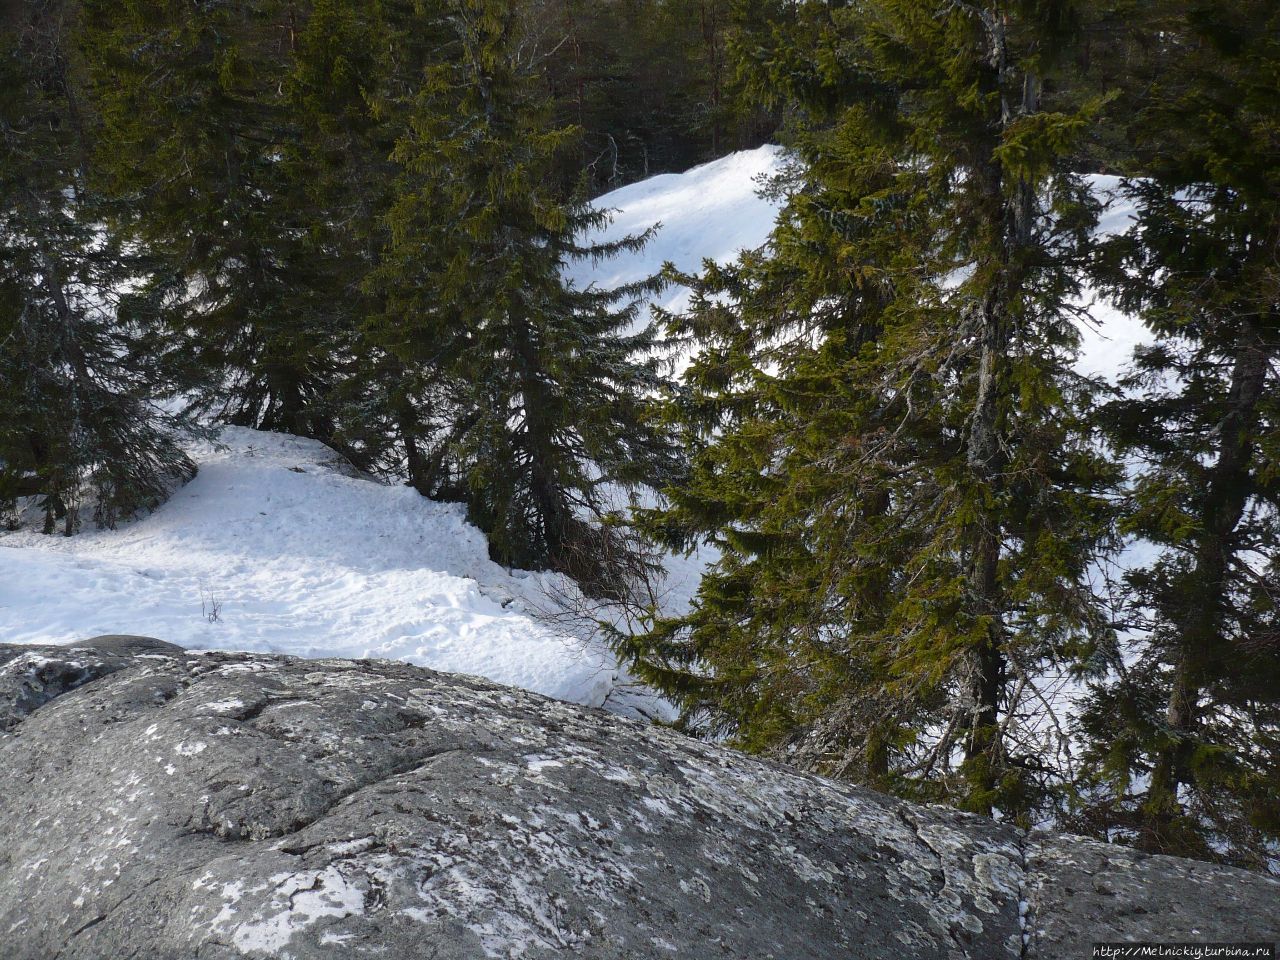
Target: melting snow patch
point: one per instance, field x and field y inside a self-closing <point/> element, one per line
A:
<point x="224" y="706"/>
<point x="658" y="806"/>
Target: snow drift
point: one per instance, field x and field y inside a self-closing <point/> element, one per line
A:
<point x="275" y="547"/>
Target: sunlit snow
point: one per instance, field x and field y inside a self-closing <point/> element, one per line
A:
<point x="273" y="547"/>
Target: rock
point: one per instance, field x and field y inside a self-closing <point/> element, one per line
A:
<point x="1081" y="891"/>
<point x="33" y="676"/>
<point x="161" y="804"/>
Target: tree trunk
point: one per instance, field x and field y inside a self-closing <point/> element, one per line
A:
<point x="1012" y="220"/>
<point x="987" y="664"/>
<point x="1202" y="647"/>
<point x="543" y="487"/>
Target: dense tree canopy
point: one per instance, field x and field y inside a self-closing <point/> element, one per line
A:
<point x="354" y="222"/>
<point x="895" y="456"/>
<point x="81" y="370"/>
<point x="1185" y="731"/>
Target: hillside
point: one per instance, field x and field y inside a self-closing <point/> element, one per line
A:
<point x="275" y="547"/>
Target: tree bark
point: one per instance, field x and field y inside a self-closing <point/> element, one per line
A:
<point x="1202" y="646"/>
<point x="1012" y="221"/>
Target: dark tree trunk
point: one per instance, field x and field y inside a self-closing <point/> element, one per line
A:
<point x="1011" y="218"/>
<point x="1202" y="647"/>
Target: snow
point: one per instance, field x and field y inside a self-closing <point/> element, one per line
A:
<point x="300" y="559"/>
<point x="711" y="212"/>
<point x="276" y="547"/>
<point x="304" y="899"/>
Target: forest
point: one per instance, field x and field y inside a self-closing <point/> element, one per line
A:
<point x="352" y="221"/>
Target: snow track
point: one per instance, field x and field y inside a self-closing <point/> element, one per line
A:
<point x="275" y="547"/>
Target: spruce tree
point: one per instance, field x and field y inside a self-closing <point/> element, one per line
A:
<point x="207" y="145"/>
<point x="78" y="357"/>
<point x="352" y="72"/>
<point x="648" y="81"/>
<point x="895" y="460"/>
<point x="537" y="391"/>
<point x="1185" y="732"/>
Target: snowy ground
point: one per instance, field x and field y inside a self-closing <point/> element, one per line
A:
<point x="272" y="548"/>
<point x="709" y="212"/>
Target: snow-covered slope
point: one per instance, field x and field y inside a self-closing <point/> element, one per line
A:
<point x="714" y="211"/>
<point x="710" y="212"/>
<point x="273" y="548"/>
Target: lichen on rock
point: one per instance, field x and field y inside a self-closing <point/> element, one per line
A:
<point x="158" y="803"/>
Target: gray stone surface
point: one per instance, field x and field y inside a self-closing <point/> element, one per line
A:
<point x="161" y="804"/>
<point x="1081" y="891"/>
<point x="34" y="676"/>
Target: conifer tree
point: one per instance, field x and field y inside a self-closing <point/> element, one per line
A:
<point x="352" y="71"/>
<point x="1185" y="734"/>
<point x="202" y="144"/>
<point x="536" y="392"/>
<point x="78" y="361"/>
<point x="648" y="81"/>
<point x="895" y="460"/>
